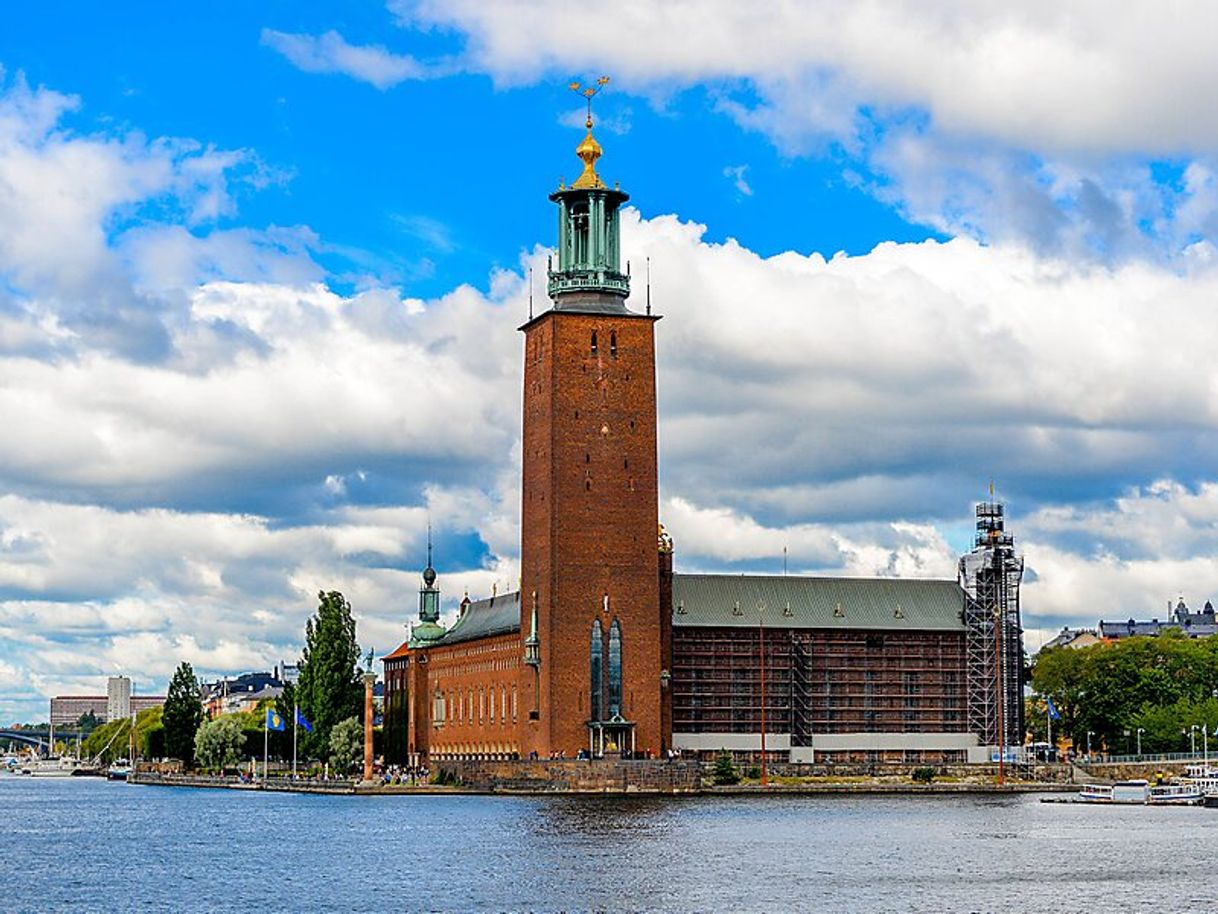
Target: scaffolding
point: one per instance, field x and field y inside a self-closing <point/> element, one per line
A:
<point x="990" y="576"/>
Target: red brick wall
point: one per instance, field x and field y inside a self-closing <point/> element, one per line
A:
<point x="478" y="681"/>
<point x="589" y="520"/>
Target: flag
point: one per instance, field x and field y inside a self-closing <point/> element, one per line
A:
<point x="302" y="721"/>
<point x="1052" y="708"/>
<point x="273" y="720"/>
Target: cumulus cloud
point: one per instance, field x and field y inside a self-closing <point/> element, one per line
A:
<point x="331" y="53"/>
<point x="291" y="438"/>
<point x="1033" y="123"/>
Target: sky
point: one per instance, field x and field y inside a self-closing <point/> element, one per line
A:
<point x="261" y="267"/>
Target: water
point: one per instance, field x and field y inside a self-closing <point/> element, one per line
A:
<point x="88" y="845"/>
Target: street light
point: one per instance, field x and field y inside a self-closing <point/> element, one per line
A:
<point x="1192" y="739"/>
<point x="1089" y="732"/>
<point x="1141" y="730"/>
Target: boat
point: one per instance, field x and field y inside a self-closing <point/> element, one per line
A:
<point x="1135" y="792"/>
<point x="1182" y="794"/>
<point x="53" y="767"/>
<point x="119" y="770"/>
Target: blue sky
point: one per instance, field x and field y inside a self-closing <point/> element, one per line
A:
<point x="261" y="265"/>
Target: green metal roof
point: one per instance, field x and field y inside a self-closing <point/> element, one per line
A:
<point x="483" y="618"/>
<point x="814" y="602"/>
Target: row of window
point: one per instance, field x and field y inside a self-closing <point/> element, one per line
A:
<point x="474" y="705"/>
<point x="612" y="343"/>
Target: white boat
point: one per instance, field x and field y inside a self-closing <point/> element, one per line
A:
<point x="53" y="767"/>
<point x="1183" y="794"/>
<point x="1136" y="792"/>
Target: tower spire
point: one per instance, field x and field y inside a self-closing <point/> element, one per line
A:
<point x="588" y="275"/>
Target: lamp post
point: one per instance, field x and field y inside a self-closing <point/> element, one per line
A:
<point x="1089" y="745"/>
<point x="1141" y="730"/>
<point x="1192" y="740"/>
<point x="1205" y="745"/>
<point x="1126" y="732"/>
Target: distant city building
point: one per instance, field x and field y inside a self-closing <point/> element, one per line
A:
<point x="118" y="697"/>
<point x="242" y="693"/>
<point x="1074" y="638"/>
<point x="288" y="673"/>
<point x="1194" y="624"/>
<point x="68" y="709"/>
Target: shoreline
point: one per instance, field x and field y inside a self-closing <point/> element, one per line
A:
<point x="854" y="788"/>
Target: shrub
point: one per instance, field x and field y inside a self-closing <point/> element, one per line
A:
<point x="923" y="775"/>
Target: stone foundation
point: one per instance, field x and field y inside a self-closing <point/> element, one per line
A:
<point x="596" y="776"/>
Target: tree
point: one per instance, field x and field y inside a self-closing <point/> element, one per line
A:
<point x="329" y="689"/>
<point x="87" y="723"/>
<point x="346" y="744"/>
<point x="724" y="771"/>
<point x="183" y="714"/>
<point x="218" y="743"/>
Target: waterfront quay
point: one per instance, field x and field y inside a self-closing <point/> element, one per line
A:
<point x="601" y="777"/>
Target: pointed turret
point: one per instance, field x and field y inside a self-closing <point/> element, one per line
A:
<point x="428" y="630"/>
<point x="588" y="276"/>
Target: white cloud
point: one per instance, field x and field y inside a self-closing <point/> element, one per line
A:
<point x="736" y="173"/>
<point x="1077" y="77"/>
<point x="331" y="53"/>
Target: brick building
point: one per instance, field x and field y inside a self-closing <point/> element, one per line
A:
<point x="604" y="650"/>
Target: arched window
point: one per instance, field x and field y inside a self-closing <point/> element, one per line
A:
<point x="438" y="710"/>
<point x="594" y="342"/>
<point x="615" y="668"/>
<point x="613" y="342"/>
<point x="596" y="668"/>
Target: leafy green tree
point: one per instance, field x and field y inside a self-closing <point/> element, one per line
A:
<point x="1159" y="684"/>
<point x="346" y="744"/>
<point x="87" y="723"/>
<point x="329" y="688"/>
<point x="218" y="743"/>
<point x="183" y="714"/>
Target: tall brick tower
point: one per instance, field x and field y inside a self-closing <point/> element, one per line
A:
<point x="590" y="602"/>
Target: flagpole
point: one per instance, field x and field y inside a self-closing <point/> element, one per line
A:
<point x="266" y="741"/>
<point x="1049" y="723"/>
<point x="295" y="727"/>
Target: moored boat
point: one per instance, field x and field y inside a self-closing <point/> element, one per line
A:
<point x="1183" y="794"/>
<point x="119" y="770"/>
<point x="1135" y="792"/>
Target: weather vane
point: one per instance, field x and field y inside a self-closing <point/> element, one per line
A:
<point x="589" y="93"/>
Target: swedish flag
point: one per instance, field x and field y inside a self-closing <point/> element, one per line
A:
<point x="273" y="720"/>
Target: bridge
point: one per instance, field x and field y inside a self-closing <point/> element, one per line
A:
<point x="39" y="739"/>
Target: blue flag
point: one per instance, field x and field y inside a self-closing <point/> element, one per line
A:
<point x="1052" y="708"/>
<point x="273" y="720"/>
<point x="302" y="721"/>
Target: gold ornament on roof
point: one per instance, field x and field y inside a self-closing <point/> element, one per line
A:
<point x="589" y="150"/>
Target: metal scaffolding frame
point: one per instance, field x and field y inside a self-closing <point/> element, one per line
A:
<point x="991" y="575"/>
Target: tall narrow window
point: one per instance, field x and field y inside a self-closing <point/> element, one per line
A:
<point x="596" y="668"/>
<point x="594" y="342"/>
<point x="613" y="342"/>
<point x="615" y="668"/>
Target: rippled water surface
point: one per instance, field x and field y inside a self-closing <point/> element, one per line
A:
<point x="84" y="844"/>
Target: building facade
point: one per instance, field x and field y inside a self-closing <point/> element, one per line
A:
<point x="1180" y="619"/>
<point x="604" y="650"/>
<point x="118" y="697"/>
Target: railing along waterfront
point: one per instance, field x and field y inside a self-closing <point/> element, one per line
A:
<point x="1148" y="758"/>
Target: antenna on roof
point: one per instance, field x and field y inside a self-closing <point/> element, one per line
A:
<point x="784" y="561"/>
<point x="530" y="293"/>
<point x="429" y="543"/>
<point x="648" y="285"/>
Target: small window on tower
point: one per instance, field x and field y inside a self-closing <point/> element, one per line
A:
<point x="587" y="485"/>
<point x="613" y="343"/>
<point x="594" y="342"/>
